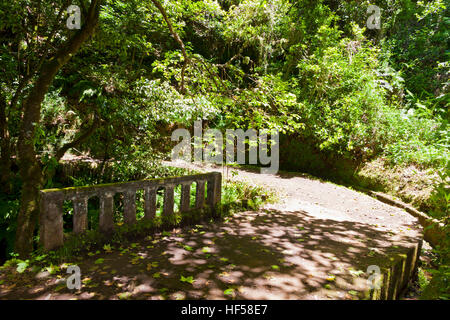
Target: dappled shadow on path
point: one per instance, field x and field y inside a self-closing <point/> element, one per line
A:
<point x="255" y="255"/>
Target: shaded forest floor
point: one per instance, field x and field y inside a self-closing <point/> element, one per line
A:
<point x="314" y="244"/>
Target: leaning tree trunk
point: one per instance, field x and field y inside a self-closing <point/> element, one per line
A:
<point x="29" y="166"/>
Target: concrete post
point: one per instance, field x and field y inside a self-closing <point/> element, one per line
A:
<point x="106" y="221"/>
<point x="168" y="200"/>
<point x="129" y="207"/>
<point x="185" y="203"/>
<point x="80" y="212"/>
<point x="200" y="194"/>
<point x="51" y="221"/>
<point x="150" y="203"/>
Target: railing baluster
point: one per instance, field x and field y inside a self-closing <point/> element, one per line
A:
<point x="80" y="212"/>
<point x="185" y="201"/>
<point x="168" y="200"/>
<point x="200" y="194"/>
<point x="129" y="207"/>
<point x="106" y="221"/>
<point x="51" y="220"/>
<point x="217" y="193"/>
<point x="150" y="202"/>
<point x="210" y="192"/>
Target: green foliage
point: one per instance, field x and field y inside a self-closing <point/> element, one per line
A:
<point x="189" y="279"/>
<point x="441" y="195"/>
<point x="343" y="98"/>
<point x="420" y="50"/>
<point x="9" y="208"/>
<point x="237" y="195"/>
<point x="409" y="138"/>
<point x="310" y="69"/>
<point x="439" y="286"/>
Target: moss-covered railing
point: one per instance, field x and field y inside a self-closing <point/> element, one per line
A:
<point x="52" y="201"/>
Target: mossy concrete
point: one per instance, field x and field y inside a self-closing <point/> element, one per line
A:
<point x="51" y="203"/>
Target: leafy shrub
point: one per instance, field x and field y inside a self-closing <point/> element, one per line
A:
<point x="9" y="209"/>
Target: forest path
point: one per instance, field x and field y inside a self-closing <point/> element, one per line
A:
<point x="317" y="243"/>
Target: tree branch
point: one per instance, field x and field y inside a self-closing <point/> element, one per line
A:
<point x="29" y="75"/>
<point x="83" y="137"/>
<point x="177" y="39"/>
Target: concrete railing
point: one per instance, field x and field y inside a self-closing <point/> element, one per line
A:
<point x="52" y="200"/>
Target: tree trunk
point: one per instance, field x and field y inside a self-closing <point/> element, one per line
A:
<point x="29" y="166"/>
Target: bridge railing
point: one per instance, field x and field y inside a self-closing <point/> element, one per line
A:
<point x="52" y="201"/>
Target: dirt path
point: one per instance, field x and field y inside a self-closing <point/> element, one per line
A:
<point x="301" y="192"/>
<point x="315" y="244"/>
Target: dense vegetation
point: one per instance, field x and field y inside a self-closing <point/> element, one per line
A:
<point x="343" y="96"/>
